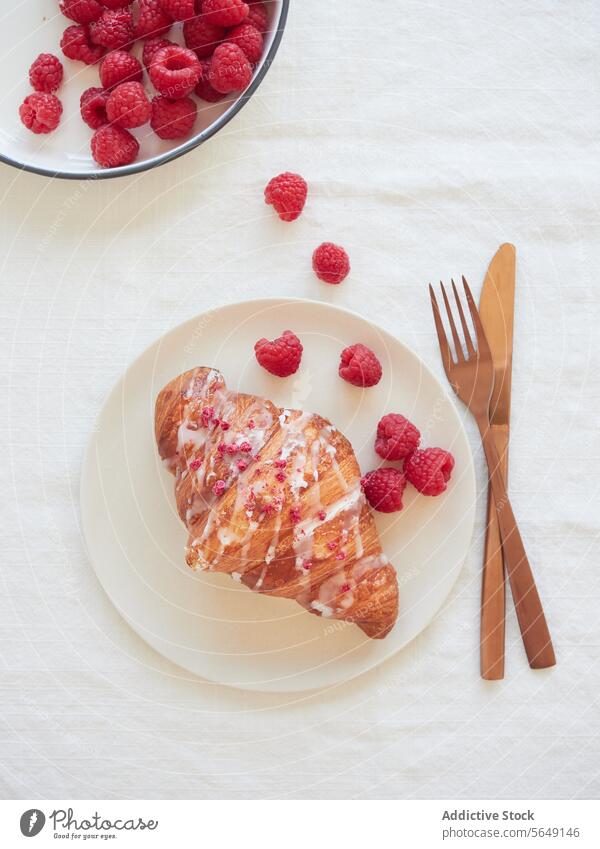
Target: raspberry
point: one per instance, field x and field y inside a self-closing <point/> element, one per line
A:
<point x="93" y="107"/>
<point x="40" y="112"/>
<point x="179" y="10"/>
<point x="76" y="44"/>
<point x="248" y="39"/>
<point x="201" y="36"/>
<point x="225" y="13"/>
<point x="429" y="471"/>
<point x="396" y="437"/>
<point x="173" y="119"/>
<point x="204" y="88"/>
<point x="152" y="20"/>
<point x="229" y="69"/>
<point x="81" y="11"/>
<point x="287" y="194"/>
<point x="383" y="489"/>
<point x="152" y="46"/>
<point x="281" y="356"/>
<point x="120" y="67"/>
<point x="113" y="29"/>
<point x="359" y="366"/>
<point x="115" y="4"/>
<point x="128" y="106"/>
<point x="114" y="146"/>
<point x="330" y="263"/>
<point x="174" y="71"/>
<point x="258" y="16"/>
<point x="46" y="73"/>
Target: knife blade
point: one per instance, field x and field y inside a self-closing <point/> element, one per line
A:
<point x="496" y="309"/>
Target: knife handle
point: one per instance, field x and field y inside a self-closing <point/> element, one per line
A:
<point x="493" y="586"/>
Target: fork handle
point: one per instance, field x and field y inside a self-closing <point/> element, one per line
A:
<point x="530" y="614"/>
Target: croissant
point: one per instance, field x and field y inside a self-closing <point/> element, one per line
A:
<point x="273" y="498"/>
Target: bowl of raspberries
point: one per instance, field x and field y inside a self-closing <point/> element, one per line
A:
<point x="104" y="88"/>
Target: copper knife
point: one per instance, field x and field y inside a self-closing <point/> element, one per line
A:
<point x="496" y="308"/>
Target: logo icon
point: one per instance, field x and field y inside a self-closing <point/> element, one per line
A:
<point x="32" y="822"/>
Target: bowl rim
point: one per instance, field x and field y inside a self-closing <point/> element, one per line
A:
<point x="175" y="153"/>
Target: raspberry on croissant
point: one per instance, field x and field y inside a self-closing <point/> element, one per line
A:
<point x="273" y="498"/>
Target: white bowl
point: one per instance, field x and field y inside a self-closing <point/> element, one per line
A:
<point x="36" y="26"/>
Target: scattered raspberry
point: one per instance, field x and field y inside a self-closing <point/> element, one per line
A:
<point x="175" y="71"/>
<point x="179" y="10"/>
<point x="280" y="357"/>
<point x="93" y="107"/>
<point x="128" y="106"/>
<point x="81" y="11"/>
<point x="257" y="16"/>
<point x="151" y="47"/>
<point x="152" y="20"/>
<point x="40" y="112"/>
<point x="383" y="489"/>
<point x="396" y="437"/>
<point x="429" y="471"/>
<point x="248" y="39"/>
<point x="76" y="44"/>
<point x="287" y="194"/>
<point x="330" y="263"/>
<point x="229" y="69"/>
<point x="46" y="73"/>
<point x="359" y="366"/>
<point x="113" y="29"/>
<point x="201" y="36"/>
<point x="173" y="119"/>
<point x="204" y="88"/>
<point x="114" y="146"/>
<point x="225" y="13"/>
<point x="118" y="67"/>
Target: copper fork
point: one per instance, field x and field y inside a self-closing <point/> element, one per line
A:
<point x="471" y="375"/>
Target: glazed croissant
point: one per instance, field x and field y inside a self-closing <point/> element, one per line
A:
<point x="273" y="498"/>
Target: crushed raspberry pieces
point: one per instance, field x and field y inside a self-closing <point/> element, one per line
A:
<point x="345" y="588"/>
<point x="219" y="488"/>
<point x="295" y="515"/>
<point x="322" y="515"/>
<point x="307" y="565"/>
<point x="242" y="465"/>
<point x="251" y="424"/>
<point x="280" y="464"/>
<point x="225" y="425"/>
<point x="245" y="448"/>
<point x="221" y="448"/>
<point x="281" y="476"/>
<point x="195" y="465"/>
<point x="332" y="545"/>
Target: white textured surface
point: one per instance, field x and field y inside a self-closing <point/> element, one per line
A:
<point x="428" y="139"/>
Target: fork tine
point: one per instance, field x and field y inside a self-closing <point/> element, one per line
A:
<point x="463" y="321"/>
<point x="482" y="343"/>
<point x="444" y="346"/>
<point x="457" y="343"/>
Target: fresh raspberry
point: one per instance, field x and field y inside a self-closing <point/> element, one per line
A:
<point x="175" y="71"/>
<point x="114" y="146"/>
<point x="201" y="36"/>
<point x="93" y="107"/>
<point x="118" y="67"/>
<point x="151" y="47"/>
<point x="179" y="10"/>
<point x="330" y="263"/>
<point x="429" y="471"/>
<point x="281" y="356"/>
<point x="204" y="88"/>
<point x="359" y="366"/>
<point x="46" y="73"/>
<point x="113" y="29"/>
<point x="229" y="69"/>
<point x="81" y="11"/>
<point x="258" y="16"/>
<point x="115" y="4"/>
<point x="396" y="437"/>
<point x="249" y="39"/>
<point x="152" y="20"/>
<point x="225" y="13"/>
<point x="40" y="112"/>
<point x="383" y="489"/>
<point x="173" y="119"/>
<point x="128" y="106"/>
<point x="287" y="194"/>
<point x="76" y="44"/>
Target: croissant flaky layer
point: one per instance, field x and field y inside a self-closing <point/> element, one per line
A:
<point x="273" y="498"/>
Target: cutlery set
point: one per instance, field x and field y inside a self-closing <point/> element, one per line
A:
<point x="479" y="371"/>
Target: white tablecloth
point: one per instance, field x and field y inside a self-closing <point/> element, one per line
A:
<point x="429" y="133"/>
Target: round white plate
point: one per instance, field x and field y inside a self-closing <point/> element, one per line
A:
<point x="207" y="623"/>
<point x="32" y="27"/>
